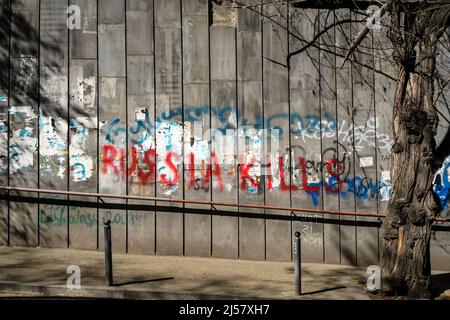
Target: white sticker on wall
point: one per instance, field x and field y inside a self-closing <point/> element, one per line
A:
<point x="386" y="174"/>
<point x="140" y="114"/>
<point x="366" y="162"/>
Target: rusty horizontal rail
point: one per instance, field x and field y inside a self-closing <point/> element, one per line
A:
<point x="211" y="203"/>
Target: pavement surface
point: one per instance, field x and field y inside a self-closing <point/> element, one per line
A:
<point x="41" y="272"/>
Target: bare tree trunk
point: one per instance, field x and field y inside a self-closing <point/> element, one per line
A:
<point x="413" y="205"/>
<point x="405" y="261"/>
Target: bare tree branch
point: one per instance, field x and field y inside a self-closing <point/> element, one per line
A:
<point x="363" y="33"/>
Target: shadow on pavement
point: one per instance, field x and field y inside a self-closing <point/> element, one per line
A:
<point x="142" y="281"/>
<point x="439" y="283"/>
<point x="323" y="290"/>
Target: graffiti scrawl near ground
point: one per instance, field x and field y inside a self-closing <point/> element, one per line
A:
<point x="56" y="216"/>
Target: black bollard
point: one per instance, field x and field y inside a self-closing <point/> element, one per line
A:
<point x="297" y="264"/>
<point x="108" y="254"/>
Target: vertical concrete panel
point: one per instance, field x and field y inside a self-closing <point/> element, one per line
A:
<point x="25" y="21"/>
<point x="364" y="142"/>
<point x="225" y="229"/>
<point x="197" y="126"/>
<point x="384" y="100"/>
<point x="169" y="125"/>
<point x="111" y="29"/>
<point x="169" y="16"/>
<point x="23" y="113"/>
<point x="276" y="163"/>
<point x="112" y="49"/>
<point x="195" y="45"/>
<point x="5" y="27"/>
<point x="111" y="12"/>
<point x="250" y="120"/>
<point x="344" y="150"/>
<point x="112" y="117"/>
<point x="141" y="129"/>
<point x="223" y="53"/>
<point x="83" y="126"/>
<point x="306" y="136"/>
<point x="112" y="155"/>
<point x="198" y="172"/>
<point x="83" y="41"/>
<point x="330" y="165"/>
<point x="140" y="27"/>
<point x="111" y="35"/>
<point x="53" y="121"/>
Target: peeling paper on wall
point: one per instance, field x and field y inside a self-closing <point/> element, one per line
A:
<point x="195" y="145"/>
<point x="274" y="169"/>
<point x="169" y="138"/>
<point x="86" y="92"/>
<point x="26" y="112"/>
<point x="3" y="146"/>
<point x="52" y="145"/>
<point x="385" y="185"/>
<point x="23" y="143"/>
<point x="250" y="144"/>
<point x="52" y="136"/>
<point x="141" y="133"/>
<point x="81" y="164"/>
<point x="109" y="86"/>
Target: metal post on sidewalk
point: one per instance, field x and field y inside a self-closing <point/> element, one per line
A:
<point x="108" y="254"/>
<point x="297" y="264"/>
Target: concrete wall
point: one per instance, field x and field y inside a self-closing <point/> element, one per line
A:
<point x="115" y="107"/>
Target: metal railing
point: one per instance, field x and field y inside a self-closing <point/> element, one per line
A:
<point x="211" y="203"/>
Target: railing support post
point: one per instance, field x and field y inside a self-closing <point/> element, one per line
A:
<point x="297" y="264"/>
<point x="108" y="254"/>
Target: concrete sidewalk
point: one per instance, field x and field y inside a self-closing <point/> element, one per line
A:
<point x="42" y="272"/>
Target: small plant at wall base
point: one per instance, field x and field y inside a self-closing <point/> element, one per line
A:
<point x="415" y="29"/>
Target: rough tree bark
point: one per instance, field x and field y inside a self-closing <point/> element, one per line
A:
<point x="405" y="260"/>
